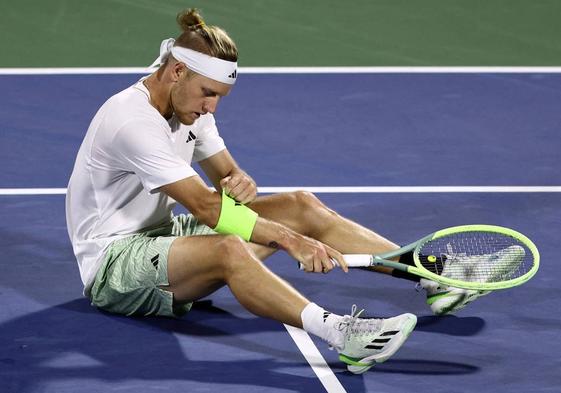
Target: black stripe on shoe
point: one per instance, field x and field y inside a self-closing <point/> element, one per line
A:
<point x="390" y="333"/>
<point x="374" y="346"/>
<point x="382" y="340"/>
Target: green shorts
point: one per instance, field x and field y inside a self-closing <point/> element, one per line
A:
<point x="135" y="268"/>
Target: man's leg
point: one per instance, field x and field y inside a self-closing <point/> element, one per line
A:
<point x="199" y="265"/>
<point x="304" y="213"/>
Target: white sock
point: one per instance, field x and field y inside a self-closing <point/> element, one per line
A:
<point x="321" y="323"/>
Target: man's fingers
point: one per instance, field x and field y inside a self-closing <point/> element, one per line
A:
<point x="328" y="265"/>
<point x="244" y="192"/>
<point x="235" y="181"/>
<point x="224" y="184"/>
<point x="338" y="258"/>
<point x="318" y="266"/>
<point x="247" y="195"/>
<point x="241" y="190"/>
<point x="236" y="190"/>
<point x="229" y="183"/>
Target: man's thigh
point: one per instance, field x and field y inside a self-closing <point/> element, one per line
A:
<point x="195" y="267"/>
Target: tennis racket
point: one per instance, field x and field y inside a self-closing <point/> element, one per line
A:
<point x="480" y="257"/>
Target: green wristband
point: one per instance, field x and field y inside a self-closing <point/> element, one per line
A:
<point x="235" y="218"/>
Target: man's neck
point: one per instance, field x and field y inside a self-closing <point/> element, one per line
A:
<point x="159" y="93"/>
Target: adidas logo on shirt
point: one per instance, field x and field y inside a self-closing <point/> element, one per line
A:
<point x="191" y="137"/>
<point x="233" y="75"/>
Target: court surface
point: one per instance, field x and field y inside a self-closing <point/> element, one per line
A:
<point x="297" y="130"/>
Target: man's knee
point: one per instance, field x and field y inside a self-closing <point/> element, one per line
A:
<point x="305" y="200"/>
<point x="233" y="251"/>
<point x="310" y="205"/>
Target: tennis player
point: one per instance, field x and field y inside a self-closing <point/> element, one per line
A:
<point x="137" y="258"/>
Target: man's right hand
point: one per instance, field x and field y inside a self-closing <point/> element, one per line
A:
<point x="315" y="256"/>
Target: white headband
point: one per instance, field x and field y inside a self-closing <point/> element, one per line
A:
<point x="212" y="67"/>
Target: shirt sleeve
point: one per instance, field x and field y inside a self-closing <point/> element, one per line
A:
<point x="208" y="141"/>
<point x="145" y="149"/>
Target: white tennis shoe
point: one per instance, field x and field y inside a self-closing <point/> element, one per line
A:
<point x="498" y="266"/>
<point x="444" y="300"/>
<point x="368" y="341"/>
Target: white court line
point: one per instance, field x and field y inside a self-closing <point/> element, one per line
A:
<point x="315" y="359"/>
<point x="342" y="190"/>
<point x="414" y="189"/>
<point x="32" y="191"/>
<point x="292" y="70"/>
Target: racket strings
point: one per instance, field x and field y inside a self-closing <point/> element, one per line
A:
<point x="476" y="257"/>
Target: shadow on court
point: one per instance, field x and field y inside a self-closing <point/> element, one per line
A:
<point x="73" y="341"/>
<point x="426" y="367"/>
<point x="451" y="325"/>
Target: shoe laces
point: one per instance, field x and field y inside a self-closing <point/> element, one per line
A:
<point x="352" y="324"/>
<point x="431" y="287"/>
<point x="452" y="258"/>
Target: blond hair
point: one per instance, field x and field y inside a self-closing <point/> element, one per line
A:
<point x="210" y="40"/>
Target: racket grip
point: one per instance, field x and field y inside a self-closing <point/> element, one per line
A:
<point x="358" y="260"/>
<point x="353" y="260"/>
<point x="301" y="267"/>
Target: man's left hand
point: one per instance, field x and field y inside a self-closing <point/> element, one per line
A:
<point x="239" y="186"/>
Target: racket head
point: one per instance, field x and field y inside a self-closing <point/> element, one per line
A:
<point x="480" y="257"/>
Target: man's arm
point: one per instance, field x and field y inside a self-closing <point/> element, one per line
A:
<point x="205" y="205"/>
<point x="224" y="173"/>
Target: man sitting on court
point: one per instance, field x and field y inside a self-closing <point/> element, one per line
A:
<point x="137" y="258"/>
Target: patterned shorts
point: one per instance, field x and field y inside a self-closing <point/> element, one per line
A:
<point x="135" y="268"/>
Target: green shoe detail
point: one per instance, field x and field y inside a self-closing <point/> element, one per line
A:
<point x="352" y="361"/>
<point x="433" y="298"/>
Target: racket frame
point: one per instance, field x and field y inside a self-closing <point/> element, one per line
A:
<point x="419" y="270"/>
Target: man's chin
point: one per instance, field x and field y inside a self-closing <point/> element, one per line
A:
<point x="187" y="120"/>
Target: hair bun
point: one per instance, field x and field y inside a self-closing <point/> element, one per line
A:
<point x="190" y="19"/>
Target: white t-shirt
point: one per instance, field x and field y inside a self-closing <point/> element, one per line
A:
<point x="128" y="152"/>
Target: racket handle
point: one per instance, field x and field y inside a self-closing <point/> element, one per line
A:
<point x="358" y="260"/>
<point x="301" y="267"/>
<point x="353" y="260"/>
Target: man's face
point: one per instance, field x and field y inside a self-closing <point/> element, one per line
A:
<point x="195" y="95"/>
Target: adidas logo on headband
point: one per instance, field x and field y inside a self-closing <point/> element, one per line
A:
<point x="233" y="75"/>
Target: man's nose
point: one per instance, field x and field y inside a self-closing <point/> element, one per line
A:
<point x="210" y="105"/>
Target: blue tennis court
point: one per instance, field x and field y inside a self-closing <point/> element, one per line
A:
<point x="297" y="130"/>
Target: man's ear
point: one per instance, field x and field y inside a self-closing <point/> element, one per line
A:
<point x="178" y="71"/>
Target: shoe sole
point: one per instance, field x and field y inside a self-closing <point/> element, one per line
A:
<point x="381" y="357"/>
<point x="461" y="303"/>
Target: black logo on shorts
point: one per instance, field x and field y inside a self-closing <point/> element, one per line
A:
<point x="155" y="260"/>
